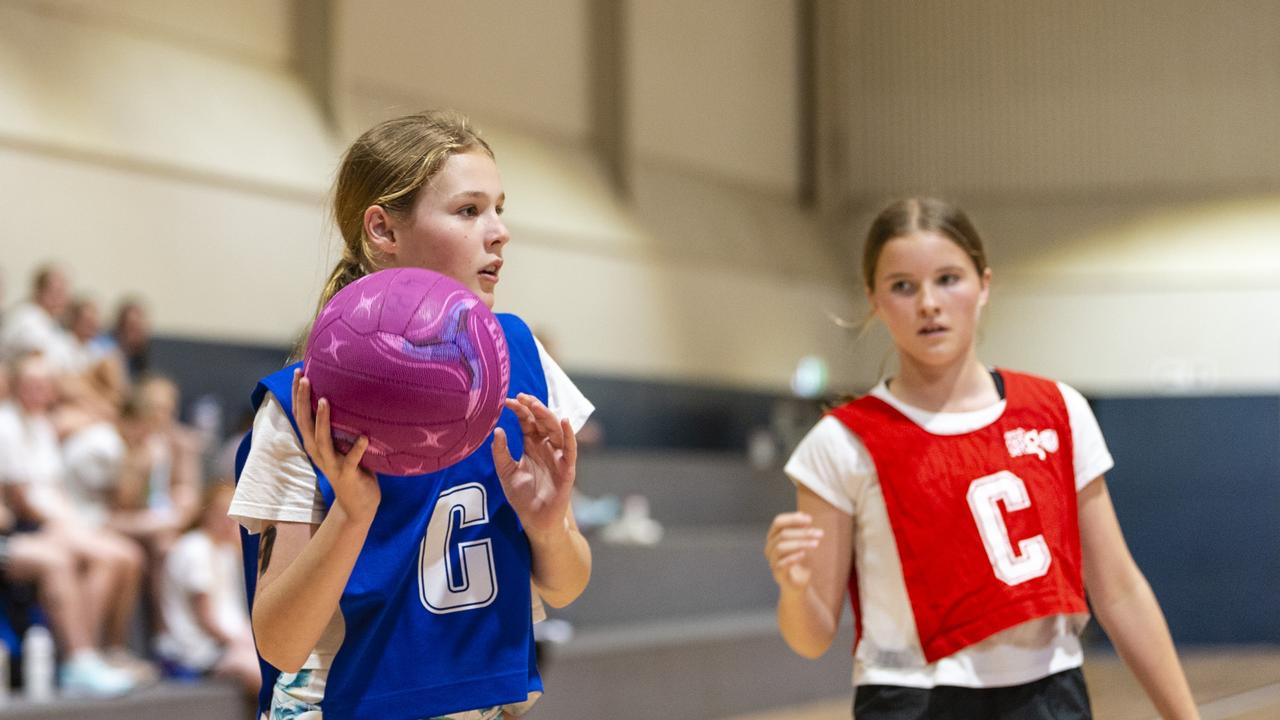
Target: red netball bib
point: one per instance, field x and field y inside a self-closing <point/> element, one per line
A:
<point x="985" y="522"/>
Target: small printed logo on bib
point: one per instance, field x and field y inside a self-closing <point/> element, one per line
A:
<point x="1031" y="442"/>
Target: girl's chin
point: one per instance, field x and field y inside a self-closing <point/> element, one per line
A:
<point x="936" y="357"/>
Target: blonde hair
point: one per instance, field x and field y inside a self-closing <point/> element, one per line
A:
<point x="387" y="166"/>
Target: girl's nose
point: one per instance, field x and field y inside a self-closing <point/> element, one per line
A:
<point x="499" y="235"/>
<point x="927" y="304"/>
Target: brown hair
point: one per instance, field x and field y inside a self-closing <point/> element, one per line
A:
<point x="387" y="166"/>
<point x="920" y="214"/>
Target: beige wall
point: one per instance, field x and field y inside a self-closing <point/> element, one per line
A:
<point x="524" y="64"/>
<point x="156" y="150"/>
<point x="1120" y="160"/>
<point x="713" y="87"/>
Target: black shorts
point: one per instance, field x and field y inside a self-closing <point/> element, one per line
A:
<point x="1061" y="696"/>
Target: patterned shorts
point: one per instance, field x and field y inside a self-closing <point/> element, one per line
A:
<point x="297" y="696"/>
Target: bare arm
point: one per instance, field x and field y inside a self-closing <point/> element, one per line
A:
<point x="187" y="476"/>
<point x="810" y="552"/>
<point x="206" y="617"/>
<point x="301" y="579"/>
<point x="1127" y="608"/>
<point x="304" y="568"/>
<point x="540" y="488"/>
<point x="19" y="497"/>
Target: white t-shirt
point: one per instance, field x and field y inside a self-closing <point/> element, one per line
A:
<point x="29" y="328"/>
<point x="30" y="455"/>
<point x="277" y="483"/>
<point x="833" y="463"/>
<point x="197" y="565"/>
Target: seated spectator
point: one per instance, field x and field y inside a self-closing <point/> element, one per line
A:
<point x="36" y="557"/>
<point x="102" y="370"/>
<point x="130" y="337"/>
<point x="83" y="414"/>
<point x="35" y="325"/>
<point x="34" y="476"/>
<point x="206" y="620"/>
<point x="157" y="493"/>
<point x="160" y="483"/>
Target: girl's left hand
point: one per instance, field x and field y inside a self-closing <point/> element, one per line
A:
<point x="540" y="486"/>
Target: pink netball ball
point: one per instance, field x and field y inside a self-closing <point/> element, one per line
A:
<point x="413" y="360"/>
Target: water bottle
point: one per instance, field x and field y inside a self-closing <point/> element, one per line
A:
<point x="37" y="664"/>
<point x="4" y="673"/>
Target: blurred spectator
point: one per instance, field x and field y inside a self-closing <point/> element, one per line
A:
<point x="35" y="325"/>
<point x="224" y="463"/>
<point x="38" y="558"/>
<point x="33" y="473"/>
<point x="207" y="628"/>
<point x="130" y="337"/>
<point x="158" y="490"/>
<point x="102" y="369"/>
<point x="159" y="486"/>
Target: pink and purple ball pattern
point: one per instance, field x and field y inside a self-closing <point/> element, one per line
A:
<point x="413" y="360"/>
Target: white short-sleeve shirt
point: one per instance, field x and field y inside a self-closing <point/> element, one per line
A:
<point x="833" y="463"/>
<point x="31" y="456"/>
<point x="197" y="565"/>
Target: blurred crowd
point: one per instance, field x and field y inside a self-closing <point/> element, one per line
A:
<point x="112" y="534"/>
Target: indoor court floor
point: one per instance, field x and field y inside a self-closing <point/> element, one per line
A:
<point x="1235" y="684"/>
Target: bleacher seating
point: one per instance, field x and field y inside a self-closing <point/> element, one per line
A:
<point x="684" y="628"/>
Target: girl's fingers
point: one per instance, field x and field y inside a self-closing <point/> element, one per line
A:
<point x="351" y="463"/>
<point x="546" y="420"/>
<point x="570" y="457"/>
<point x="502" y="460"/>
<point x="523" y="416"/>
<point x="786" y="522"/>
<point x="302" y="405"/>
<point x="792" y="519"/>
<point x="306" y="420"/>
<point x="324" y="433"/>
<point x="791" y="546"/>
<point x="788" y="560"/>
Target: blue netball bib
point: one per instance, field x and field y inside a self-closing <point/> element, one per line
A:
<point x="438" y="608"/>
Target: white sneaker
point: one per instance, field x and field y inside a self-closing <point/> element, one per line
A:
<point x="634" y="526"/>
<point x="86" y="675"/>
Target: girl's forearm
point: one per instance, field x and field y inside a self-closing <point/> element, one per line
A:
<point x="806" y="625"/>
<point x="1134" y="622"/>
<point x="291" y="612"/>
<point x="561" y="564"/>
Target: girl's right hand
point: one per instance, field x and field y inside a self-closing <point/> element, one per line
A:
<point x="354" y="488"/>
<point x="791" y="537"/>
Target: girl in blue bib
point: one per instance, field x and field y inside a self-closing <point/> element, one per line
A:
<point x="349" y="618"/>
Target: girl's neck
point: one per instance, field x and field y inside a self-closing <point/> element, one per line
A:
<point x="962" y="386"/>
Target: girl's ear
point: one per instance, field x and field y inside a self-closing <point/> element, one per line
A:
<point x="986" y="288"/>
<point x="379" y="228"/>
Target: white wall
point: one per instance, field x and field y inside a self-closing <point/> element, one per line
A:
<point x="107" y="89"/>
<point x="714" y="87"/>
<point x="160" y="150"/>
<point x="148" y="162"/>
<point x="1121" y="161"/>
<point x="524" y="64"/>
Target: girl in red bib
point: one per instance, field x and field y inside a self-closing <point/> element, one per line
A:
<point x="963" y="510"/>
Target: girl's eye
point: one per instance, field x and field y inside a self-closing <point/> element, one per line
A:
<point x="469" y="211"/>
<point x="901" y="287"/>
<point x="949" y="279"/>
<point x="500" y="209"/>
